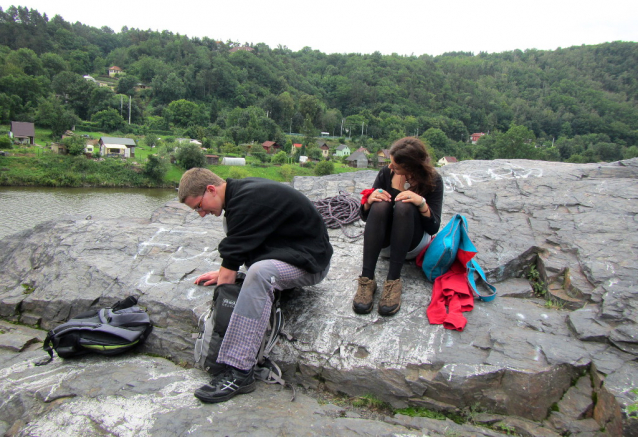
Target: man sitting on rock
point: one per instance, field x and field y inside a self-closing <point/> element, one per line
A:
<point x="281" y="238"/>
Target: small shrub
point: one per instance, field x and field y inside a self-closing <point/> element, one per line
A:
<point x="287" y="172"/>
<point x="5" y="143"/>
<point x="324" y="168"/>
<point x="279" y="158"/>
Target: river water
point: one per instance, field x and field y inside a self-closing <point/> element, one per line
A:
<point x="24" y="207"/>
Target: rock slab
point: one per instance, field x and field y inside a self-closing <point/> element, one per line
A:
<point x="571" y="225"/>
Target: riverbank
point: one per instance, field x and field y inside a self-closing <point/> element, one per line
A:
<point x="40" y="168"/>
<point x="49" y="170"/>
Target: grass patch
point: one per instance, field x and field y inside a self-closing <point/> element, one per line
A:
<point x="632" y="409"/>
<point x="371" y="402"/>
<point x="421" y="412"/>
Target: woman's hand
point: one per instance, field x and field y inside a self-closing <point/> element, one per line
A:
<point x="378" y="195"/>
<point x="417" y="200"/>
<point x="408" y="196"/>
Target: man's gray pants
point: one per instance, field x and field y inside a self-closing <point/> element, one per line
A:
<point x="249" y="320"/>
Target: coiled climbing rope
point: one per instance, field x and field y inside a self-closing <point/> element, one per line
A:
<point x="339" y="211"/>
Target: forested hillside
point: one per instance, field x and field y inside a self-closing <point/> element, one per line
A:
<point x="578" y="103"/>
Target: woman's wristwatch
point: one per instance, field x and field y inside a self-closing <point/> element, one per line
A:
<point x="422" y="204"/>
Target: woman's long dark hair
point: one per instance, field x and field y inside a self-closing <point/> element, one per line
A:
<point x="411" y="155"/>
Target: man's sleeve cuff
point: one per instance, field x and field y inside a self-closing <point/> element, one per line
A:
<point x="230" y="265"/>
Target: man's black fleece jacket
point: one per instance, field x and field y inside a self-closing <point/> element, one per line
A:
<point x="270" y="220"/>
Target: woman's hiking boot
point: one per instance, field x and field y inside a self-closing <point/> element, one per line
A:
<point x="391" y="298"/>
<point x="364" y="299"/>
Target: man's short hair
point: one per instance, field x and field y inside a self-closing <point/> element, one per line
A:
<point x="195" y="181"/>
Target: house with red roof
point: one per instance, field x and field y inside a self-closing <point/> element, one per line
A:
<point x="113" y="70"/>
<point x="271" y="146"/>
<point x="475" y="136"/>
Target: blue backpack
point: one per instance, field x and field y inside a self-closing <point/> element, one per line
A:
<point x="450" y="243"/>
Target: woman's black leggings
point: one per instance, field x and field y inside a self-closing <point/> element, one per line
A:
<point x="397" y="225"/>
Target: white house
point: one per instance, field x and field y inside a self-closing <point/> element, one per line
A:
<point x="122" y="147"/>
<point x="447" y="160"/>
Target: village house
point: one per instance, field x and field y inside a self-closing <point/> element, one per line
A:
<point x="475" y="137"/>
<point x="58" y="148"/>
<point x="325" y="150"/>
<point x="117" y="147"/>
<point x="446" y="160"/>
<point x="357" y="160"/>
<point x="383" y="157"/>
<point x="114" y="70"/>
<point x="342" y="150"/>
<point x="22" y="132"/>
<point x="212" y="159"/>
<point x="271" y="146"/>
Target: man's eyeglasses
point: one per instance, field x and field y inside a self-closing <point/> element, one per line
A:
<point x="198" y="208"/>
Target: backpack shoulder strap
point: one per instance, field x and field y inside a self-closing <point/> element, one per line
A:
<point x="474" y="267"/>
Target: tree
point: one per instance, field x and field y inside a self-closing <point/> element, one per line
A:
<point x="169" y="88"/>
<point x="75" y="90"/>
<point x="109" y="120"/>
<point x="102" y="98"/>
<point x="156" y="168"/>
<point x="516" y="143"/>
<point x="189" y="156"/>
<point x="26" y="60"/>
<point x="126" y="85"/>
<point x="75" y="145"/>
<point x="52" y="114"/>
<point x="53" y="64"/>
<point x="315" y="153"/>
<point x="309" y="133"/>
<point x="184" y="113"/>
<point x="151" y="140"/>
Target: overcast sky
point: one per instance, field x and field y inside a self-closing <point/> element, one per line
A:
<point x="406" y="27"/>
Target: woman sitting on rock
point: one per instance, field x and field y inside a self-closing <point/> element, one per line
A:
<point x="402" y="212"/>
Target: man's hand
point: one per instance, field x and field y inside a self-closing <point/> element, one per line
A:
<point x="209" y="278"/>
<point x="221" y="276"/>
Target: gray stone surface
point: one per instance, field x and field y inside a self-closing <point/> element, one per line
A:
<point x="137" y="395"/>
<point x="517" y="356"/>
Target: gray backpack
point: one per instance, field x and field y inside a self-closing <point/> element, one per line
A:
<point x="107" y="331"/>
<point x="212" y="328"/>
